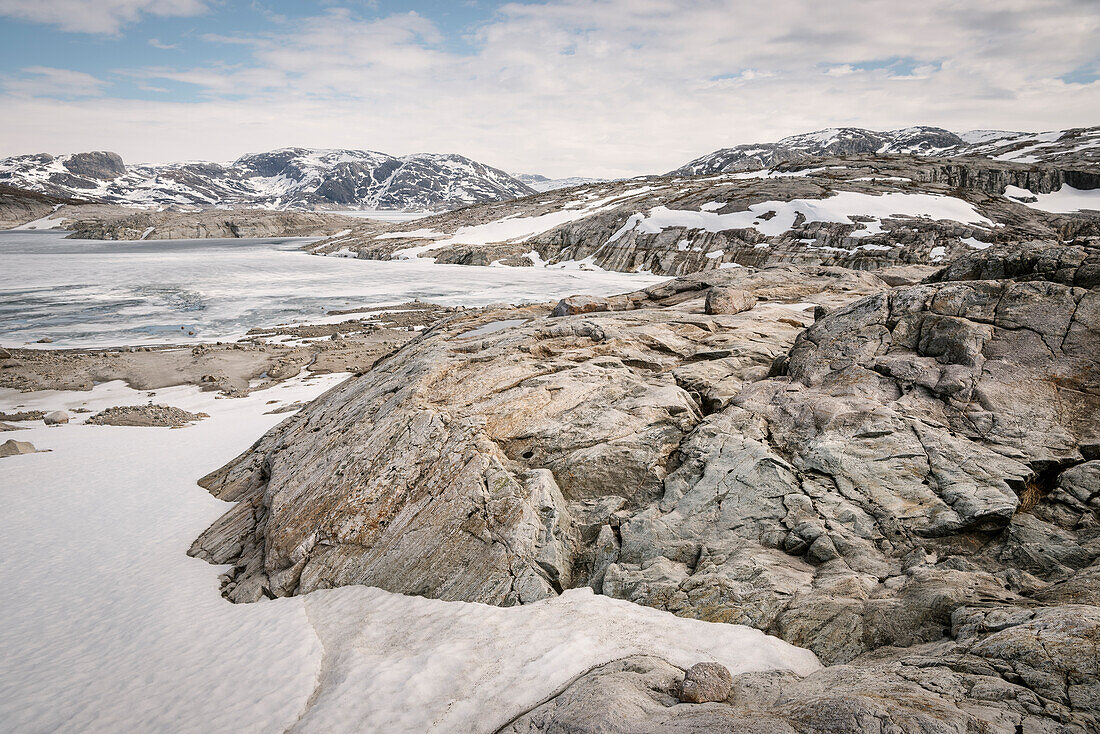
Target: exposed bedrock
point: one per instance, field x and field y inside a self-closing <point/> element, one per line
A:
<point x="908" y="486"/>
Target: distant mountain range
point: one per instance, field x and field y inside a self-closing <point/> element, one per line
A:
<point x="290" y="178"/>
<point x="1060" y="147"/>
<point x="305" y="179"/>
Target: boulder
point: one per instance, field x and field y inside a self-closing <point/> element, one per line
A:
<point x="705" y="683"/>
<point x="11" y="447"/>
<point x="728" y="300"/>
<point x="56" y="417"/>
<point x="574" y="305"/>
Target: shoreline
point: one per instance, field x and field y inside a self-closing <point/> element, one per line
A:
<point x="264" y="357"/>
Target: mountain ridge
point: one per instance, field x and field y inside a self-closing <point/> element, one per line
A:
<point x="1076" y="145"/>
<point x="285" y="178"/>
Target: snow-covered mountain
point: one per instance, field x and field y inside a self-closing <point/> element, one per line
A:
<point x="289" y="178"/>
<point x="542" y="183"/>
<point x="1076" y="145"/>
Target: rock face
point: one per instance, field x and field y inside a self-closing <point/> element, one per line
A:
<point x="906" y="485"/>
<point x="18" y="206"/>
<point x="109" y="223"/>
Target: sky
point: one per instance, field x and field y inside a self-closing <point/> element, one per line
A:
<point x="562" y="88"/>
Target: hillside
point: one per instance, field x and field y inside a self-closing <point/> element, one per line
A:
<point x="1076" y="146"/>
<point x="860" y="211"/>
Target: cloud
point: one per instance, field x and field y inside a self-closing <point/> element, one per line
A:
<point x="157" y="43"/>
<point x="44" y="81"/>
<point x="96" y="16"/>
<point x="615" y="87"/>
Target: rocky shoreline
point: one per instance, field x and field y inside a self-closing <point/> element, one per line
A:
<point x="265" y="357"/>
<point x="902" y="476"/>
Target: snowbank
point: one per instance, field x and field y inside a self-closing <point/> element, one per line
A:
<point x="109" y="626"/>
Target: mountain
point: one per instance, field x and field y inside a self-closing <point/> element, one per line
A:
<point x="542" y="183"/>
<point x="289" y="178"/>
<point x="1064" y="146"/>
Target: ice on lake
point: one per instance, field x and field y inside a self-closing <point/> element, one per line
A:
<point x="95" y="293"/>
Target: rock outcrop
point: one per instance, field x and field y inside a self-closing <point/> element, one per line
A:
<point x="902" y="479"/>
<point x="148" y="416"/>
<point x="109" y="223"/>
<point x="860" y="211"/>
<point x="18" y="206"/>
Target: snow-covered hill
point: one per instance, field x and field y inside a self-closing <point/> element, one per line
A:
<point x="1080" y="145"/>
<point x="290" y="178"/>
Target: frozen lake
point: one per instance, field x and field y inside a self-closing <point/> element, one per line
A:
<point x="97" y="293"/>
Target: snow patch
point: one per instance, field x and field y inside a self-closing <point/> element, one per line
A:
<point x="1063" y="201"/>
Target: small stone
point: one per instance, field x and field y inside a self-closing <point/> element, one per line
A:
<point x="574" y="305"/>
<point x="57" y="417"/>
<point x="11" y="447"/>
<point x="45" y="340"/>
<point x="722" y="300"/>
<point x="706" y="682"/>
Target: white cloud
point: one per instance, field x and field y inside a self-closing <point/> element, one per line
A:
<point x="616" y="87"/>
<point x="157" y="43"/>
<point x="96" y="16"/>
<point x="42" y="81"/>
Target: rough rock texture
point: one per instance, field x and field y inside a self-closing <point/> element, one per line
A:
<point x="11" y="447"/>
<point x="626" y="225"/>
<point x="18" y="206"/>
<point x="706" y="683"/>
<point x="105" y="223"/>
<point x="56" y="417"/>
<point x="728" y="300"/>
<point x="145" y="415"/>
<point x="906" y="485"/>
<point x="574" y="305"/>
<point x="521" y="438"/>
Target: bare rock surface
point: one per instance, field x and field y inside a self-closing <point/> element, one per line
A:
<point x="267" y="356"/>
<point x="728" y="300"/>
<point x="904" y="482"/>
<point x="706" y="683"/>
<point x="55" y="418"/>
<point x="123" y="223"/>
<point x="854" y="208"/>
<point x="145" y="416"/>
